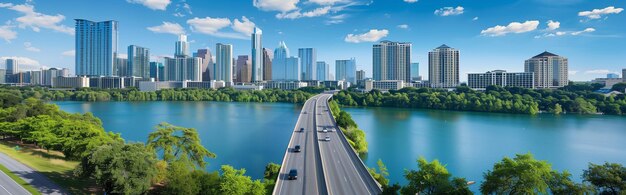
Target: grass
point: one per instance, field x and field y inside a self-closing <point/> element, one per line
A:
<point x="19" y="180"/>
<point x="52" y="164"/>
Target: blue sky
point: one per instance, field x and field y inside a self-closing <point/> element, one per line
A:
<point x="490" y="34"/>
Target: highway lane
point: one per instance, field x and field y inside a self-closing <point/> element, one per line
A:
<point x="307" y="162"/>
<point x="9" y="186"/>
<point x="344" y="171"/>
<point x="34" y="178"/>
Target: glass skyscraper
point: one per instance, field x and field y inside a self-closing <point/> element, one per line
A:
<point x="12" y="66"/>
<point x="281" y="53"/>
<point x="322" y="71"/>
<point x="346" y="70"/>
<point x="139" y="61"/>
<point x="308" y="58"/>
<point x="415" y="71"/>
<point x="257" y="55"/>
<point x="267" y="64"/>
<point x="182" y="47"/>
<point x="96" y="48"/>
<point x="224" y="64"/>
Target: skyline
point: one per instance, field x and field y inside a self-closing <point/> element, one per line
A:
<point x="586" y="32"/>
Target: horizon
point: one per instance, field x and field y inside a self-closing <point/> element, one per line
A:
<point x="40" y="33"/>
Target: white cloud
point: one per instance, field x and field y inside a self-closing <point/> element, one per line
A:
<point x="168" y="27"/>
<point x="337" y="19"/>
<point x="25" y="63"/>
<point x="599" y="71"/>
<point x="276" y="5"/>
<point x="411" y="1"/>
<point x="29" y="46"/>
<point x="371" y="36"/>
<point x="213" y="26"/>
<point x="553" y="25"/>
<point x="245" y="26"/>
<point x="449" y="11"/>
<point x="403" y="26"/>
<point x="7" y="33"/>
<point x="597" y="13"/>
<point x="328" y="2"/>
<point x="475" y="18"/>
<point x="152" y="4"/>
<point x="587" y="30"/>
<point x="70" y="53"/>
<point x="122" y="55"/>
<point x="182" y="7"/>
<point x="36" y="20"/>
<point x="572" y="72"/>
<point x="297" y="14"/>
<point x="513" y="27"/>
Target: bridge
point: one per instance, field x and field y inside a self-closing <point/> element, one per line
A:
<point x="326" y="163"/>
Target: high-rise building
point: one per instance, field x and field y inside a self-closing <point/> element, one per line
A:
<point x="257" y="56"/>
<point x="267" y="64"/>
<point x="3" y="76"/>
<point x="207" y="63"/>
<point x="96" y="48"/>
<point x="121" y="67"/>
<point x="415" y="72"/>
<point x="156" y="71"/>
<point x="182" y="69"/>
<point x="224" y="64"/>
<point x="612" y="76"/>
<point x="308" y="58"/>
<point x="443" y="67"/>
<point x="322" y="71"/>
<point x="243" y="69"/>
<point x="501" y="78"/>
<point x="182" y="47"/>
<point x="391" y="61"/>
<point x="12" y="65"/>
<point x="36" y="77"/>
<point x="49" y="75"/>
<point x="292" y="69"/>
<point x="281" y="53"/>
<point x="346" y="70"/>
<point x="360" y="75"/>
<point x="624" y="75"/>
<point x="139" y="61"/>
<point x="550" y="70"/>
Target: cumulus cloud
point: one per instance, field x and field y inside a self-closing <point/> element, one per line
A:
<point x="297" y="14"/>
<point x="553" y="25"/>
<point x="168" y="27"/>
<point x="411" y="1"/>
<point x="29" y="47"/>
<point x="572" y="72"/>
<point x="70" y="53"/>
<point x="587" y="30"/>
<point x="245" y="26"/>
<point x="276" y="5"/>
<point x="598" y="13"/>
<point x="7" y="33"/>
<point x="25" y="63"/>
<point x="36" y="21"/>
<point x="513" y="27"/>
<point x="152" y="4"/>
<point x="403" y="26"/>
<point x="213" y="26"/>
<point x="449" y="11"/>
<point x="599" y="71"/>
<point x="371" y="36"/>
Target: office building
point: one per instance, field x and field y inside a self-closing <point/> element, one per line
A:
<point x="285" y="68"/>
<point x="415" y="72"/>
<point x="267" y="64"/>
<point x="612" y="76"/>
<point x="346" y="70"/>
<point x="49" y="75"/>
<point x="443" y="67"/>
<point x="121" y="67"/>
<point x="624" y="75"/>
<point x="308" y="58"/>
<point x="12" y="66"/>
<point x="156" y="70"/>
<point x="70" y="82"/>
<point x="360" y="75"/>
<point x="182" y="69"/>
<point x="322" y="71"/>
<point x="243" y="69"/>
<point x="391" y="61"/>
<point x="292" y="69"/>
<point x="224" y="64"/>
<point x="257" y="56"/>
<point x="502" y="78"/>
<point x="284" y="85"/>
<point x="207" y="63"/>
<point x="36" y="77"/>
<point x="182" y="47"/>
<point x="384" y="85"/>
<point x="551" y="70"/>
<point x="96" y="47"/>
<point x="3" y="76"/>
<point x="138" y="61"/>
<point x="106" y="82"/>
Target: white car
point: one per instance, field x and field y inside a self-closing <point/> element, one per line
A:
<point x="325" y="131"/>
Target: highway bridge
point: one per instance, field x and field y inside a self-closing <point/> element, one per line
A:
<point x="326" y="164"/>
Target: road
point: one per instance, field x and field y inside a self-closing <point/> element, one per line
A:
<point x="9" y="186"/>
<point x="34" y="178"/>
<point x="307" y="162"/>
<point x="344" y="171"/>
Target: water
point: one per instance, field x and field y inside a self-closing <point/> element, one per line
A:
<point x="250" y="135"/>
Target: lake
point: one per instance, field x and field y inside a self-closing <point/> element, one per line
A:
<point x="250" y="135"/>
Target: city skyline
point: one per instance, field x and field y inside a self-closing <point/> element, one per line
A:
<point x="573" y="29"/>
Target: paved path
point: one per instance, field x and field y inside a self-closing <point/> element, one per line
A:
<point x="34" y="178"/>
<point x="10" y="187"/>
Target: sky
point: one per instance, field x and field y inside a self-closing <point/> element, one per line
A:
<point x="490" y="34"/>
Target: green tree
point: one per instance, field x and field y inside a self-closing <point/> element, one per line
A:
<point x="619" y="87"/>
<point x="381" y="174"/>
<point x="235" y="182"/>
<point x="179" y="178"/>
<point x="271" y="174"/>
<point x="433" y="178"/>
<point x="609" y="178"/>
<point x="176" y="142"/>
<point x="520" y="175"/>
<point x="558" y="109"/>
<point x="120" y="168"/>
<point x="560" y="183"/>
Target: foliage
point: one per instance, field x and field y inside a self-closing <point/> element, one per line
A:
<point x="381" y="174"/>
<point x="234" y="182"/>
<point x="433" y="178"/>
<point x="609" y="178"/>
<point x="176" y="142"/>
<point x="619" y="87"/>
<point x="355" y="136"/>
<point x="120" y="168"/>
<point x="270" y="175"/>
<point x="179" y="178"/>
<point x="391" y="189"/>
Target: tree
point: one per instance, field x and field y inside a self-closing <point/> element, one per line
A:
<point x="120" y="168"/>
<point x="520" y="175"/>
<point x="176" y="142"/>
<point x="560" y="183"/>
<point x="619" y="87"/>
<point x="179" y="179"/>
<point x="381" y="174"/>
<point x="609" y="178"/>
<point x="558" y="109"/>
<point x="234" y="182"/>
<point x="433" y="178"/>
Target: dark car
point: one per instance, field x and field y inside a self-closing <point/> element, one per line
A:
<point x="297" y="148"/>
<point x="293" y="174"/>
<point x="301" y="129"/>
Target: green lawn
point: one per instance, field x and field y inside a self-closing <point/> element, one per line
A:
<point x="52" y="164"/>
<point x="19" y="180"/>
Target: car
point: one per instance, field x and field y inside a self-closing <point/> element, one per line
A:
<point x="293" y="174"/>
<point x="297" y="148"/>
<point x="325" y="131"/>
<point x="327" y="138"/>
<point x="301" y="129"/>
